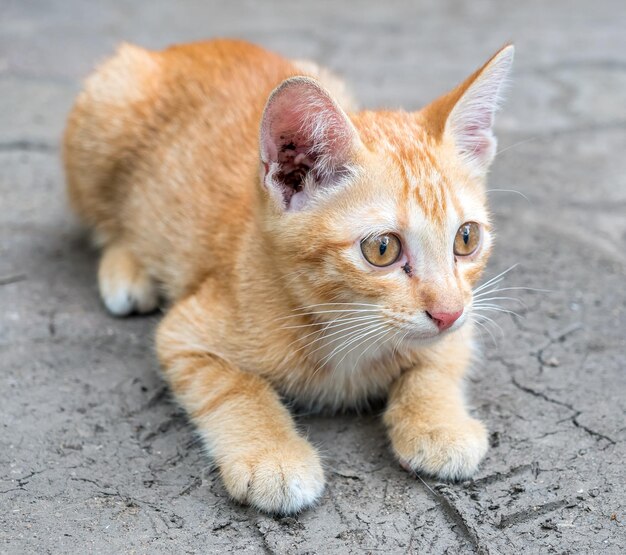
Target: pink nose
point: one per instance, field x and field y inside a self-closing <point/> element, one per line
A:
<point x="444" y="320"/>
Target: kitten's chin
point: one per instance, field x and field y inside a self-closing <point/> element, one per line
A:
<point x="421" y="337"/>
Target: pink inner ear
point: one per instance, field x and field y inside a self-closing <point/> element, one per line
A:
<point x="473" y="135"/>
<point x="301" y="112"/>
<point x="475" y="141"/>
<point x="305" y="138"/>
<point x="472" y="118"/>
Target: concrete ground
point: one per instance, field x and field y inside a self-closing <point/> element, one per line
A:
<point x="95" y="458"/>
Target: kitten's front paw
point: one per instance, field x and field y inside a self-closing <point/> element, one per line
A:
<point x="449" y="452"/>
<point x="284" y="479"/>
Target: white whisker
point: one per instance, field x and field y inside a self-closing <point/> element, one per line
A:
<point x="352" y="335"/>
<point x="491" y="321"/>
<point x="489" y="282"/>
<point x="489" y="299"/>
<point x="351" y="341"/>
<point x="331" y="323"/>
<point x="509" y="191"/>
<point x="496" y="308"/>
<point x="399" y="341"/>
<point x="328" y="326"/>
<point x="356" y="363"/>
<point x="334" y="304"/>
<point x="346" y="337"/>
<point x="338" y="311"/>
<point x="513" y="289"/>
<point x="364" y="338"/>
<point x="483" y="326"/>
<point x="292" y="276"/>
<point x="510" y="147"/>
<point x="324" y="336"/>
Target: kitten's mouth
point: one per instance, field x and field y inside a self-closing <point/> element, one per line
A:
<point x="421" y="337"/>
<point x="431" y="331"/>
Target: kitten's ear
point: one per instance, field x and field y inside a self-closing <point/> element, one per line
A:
<point x="466" y="114"/>
<point x="307" y="143"/>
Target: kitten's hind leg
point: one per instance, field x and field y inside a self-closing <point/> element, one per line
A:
<point x="125" y="286"/>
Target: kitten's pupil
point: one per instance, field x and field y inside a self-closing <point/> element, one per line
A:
<point x="383" y="245"/>
<point x="467" y="239"/>
<point x="381" y="250"/>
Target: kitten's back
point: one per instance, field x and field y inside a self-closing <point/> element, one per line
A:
<point x="143" y="120"/>
<point x="139" y="102"/>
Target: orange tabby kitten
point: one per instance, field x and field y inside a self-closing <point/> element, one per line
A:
<point x="309" y="250"/>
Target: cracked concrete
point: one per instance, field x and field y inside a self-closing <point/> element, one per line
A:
<point x="94" y="456"/>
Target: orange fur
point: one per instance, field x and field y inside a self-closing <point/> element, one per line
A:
<point x="162" y="162"/>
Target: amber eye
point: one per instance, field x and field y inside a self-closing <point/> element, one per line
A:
<point x="467" y="239"/>
<point x="381" y="250"/>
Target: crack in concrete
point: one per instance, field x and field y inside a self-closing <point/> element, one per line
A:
<point x="195" y="484"/>
<point x="498" y="476"/>
<point x="591" y="432"/>
<point x="88" y="481"/>
<point x="28" y="145"/>
<point x="555" y="337"/>
<point x="530" y="513"/>
<point x="14" y="278"/>
<point x="52" y="330"/>
<point x="24" y="480"/>
<point x="267" y="548"/>
<point x="573" y="418"/>
<point x="540" y="395"/>
<point x="175" y="520"/>
<point x="20" y="488"/>
<point x="464" y="528"/>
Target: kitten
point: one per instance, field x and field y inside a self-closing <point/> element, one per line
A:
<point x="309" y="250"/>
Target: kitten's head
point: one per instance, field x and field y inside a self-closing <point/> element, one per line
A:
<point x="385" y="210"/>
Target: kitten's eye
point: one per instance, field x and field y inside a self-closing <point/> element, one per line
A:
<point x="381" y="250"/>
<point x="467" y="239"/>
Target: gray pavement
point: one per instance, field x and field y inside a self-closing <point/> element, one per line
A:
<point x="94" y="456"/>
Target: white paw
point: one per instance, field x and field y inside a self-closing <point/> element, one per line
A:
<point x="282" y="480"/>
<point x="447" y="452"/>
<point x="124" y="296"/>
